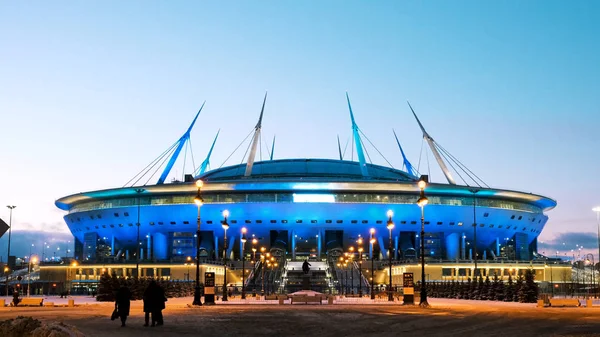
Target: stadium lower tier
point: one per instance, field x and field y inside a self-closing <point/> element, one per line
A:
<point x="304" y="229"/>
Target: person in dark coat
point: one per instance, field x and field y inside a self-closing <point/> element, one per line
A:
<point x="150" y="302"/>
<point x="16" y="299"/>
<point x="159" y="302"/>
<point x="306" y="267"/>
<point x="122" y="303"/>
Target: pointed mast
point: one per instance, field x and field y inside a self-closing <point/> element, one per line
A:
<point x="272" y="148"/>
<point x="206" y="161"/>
<point x="436" y="154"/>
<point x="255" y="140"/>
<point x="358" y="143"/>
<point x="181" y="143"/>
<point x="409" y="168"/>
<point x="340" y="148"/>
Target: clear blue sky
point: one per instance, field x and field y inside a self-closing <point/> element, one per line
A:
<point x="91" y="91"/>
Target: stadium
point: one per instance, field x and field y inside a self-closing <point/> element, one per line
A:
<point x="314" y="209"/>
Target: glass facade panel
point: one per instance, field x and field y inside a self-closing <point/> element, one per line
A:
<point x="287" y="197"/>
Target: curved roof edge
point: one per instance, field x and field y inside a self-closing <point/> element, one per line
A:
<point x="308" y="168"/>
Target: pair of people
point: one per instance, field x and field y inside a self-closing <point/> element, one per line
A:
<point x="154" y="303"/>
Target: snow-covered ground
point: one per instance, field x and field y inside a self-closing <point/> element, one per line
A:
<point x="446" y="317"/>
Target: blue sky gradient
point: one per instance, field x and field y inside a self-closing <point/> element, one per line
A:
<point x="90" y="92"/>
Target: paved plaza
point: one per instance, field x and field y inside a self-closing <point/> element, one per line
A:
<point x="445" y="318"/>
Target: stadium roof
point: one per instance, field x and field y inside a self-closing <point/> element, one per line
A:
<point x="307" y="169"/>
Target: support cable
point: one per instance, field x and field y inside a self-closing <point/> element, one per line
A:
<point x="260" y="147"/>
<point x="236" y="149"/>
<point x="454" y="168"/>
<point x="184" y="160"/>
<point x="146" y="169"/>
<point x="248" y="148"/>
<point x="352" y="148"/>
<point x="420" y="154"/>
<point x="464" y="167"/>
<point x="192" y="154"/>
<point x="158" y="168"/>
<point x="267" y="148"/>
<point x="428" y="167"/>
<point x="346" y="147"/>
<point x="366" y="151"/>
<point x="376" y="149"/>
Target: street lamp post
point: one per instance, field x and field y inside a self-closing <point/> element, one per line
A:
<point x="6" y="270"/>
<point x="10" y="207"/>
<point x="597" y="210"/>
<point x="262" y="270"/>
<point x="225" y="226"/>
<point x="346" y="272"/>
<point x="243" y="263"/>
<point x="188" y="261"/>
<point x="475" y="191"/>
<point x="593" y="276"/>
<point x="351" y="256"/>
<point x="372" y="241"/>
<point x="198" y="201"/>
<point x="31" y="260"/>
<point x="360" y="250"/>
<point x="390" y="226"/>
<point x="137" y="262"/>
<point x="422" y="202"/>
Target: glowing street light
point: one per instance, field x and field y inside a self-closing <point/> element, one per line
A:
<point x="372" y="242"/>
<point x="390" y="226"/>
<point x="243" y="261"/>
<point x="225" y="226"/>
<point x="422" y="202"/>
<point x="199" y="202"/>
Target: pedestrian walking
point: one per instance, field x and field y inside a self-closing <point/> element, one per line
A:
<point x="150" y="303"/>
<point x="159" y="304"/>
<point x="123" y="303"/>
<point x="16" y="299"/>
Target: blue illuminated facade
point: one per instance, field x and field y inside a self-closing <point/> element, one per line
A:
<point x="305" y="207"/>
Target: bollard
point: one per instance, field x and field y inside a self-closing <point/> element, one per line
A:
<point x="2" y="303"/>
<point x="281" y="300"/>
<point x="71" y="303"/>
<point x="588" y="303"/>
<point x="540" y="303"/>
<point x="330" y="300"/>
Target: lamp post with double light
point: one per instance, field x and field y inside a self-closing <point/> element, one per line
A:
<point x="225" y="226"/>
<point x="593" y="276"/>
<point x="10" y="207"/>
<point x="422" y="202"/>
<point x="390" y="226"/>
<point x="243" y="263"/>
<point x="199" y="202"/>
<point x="372" y="242"/>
